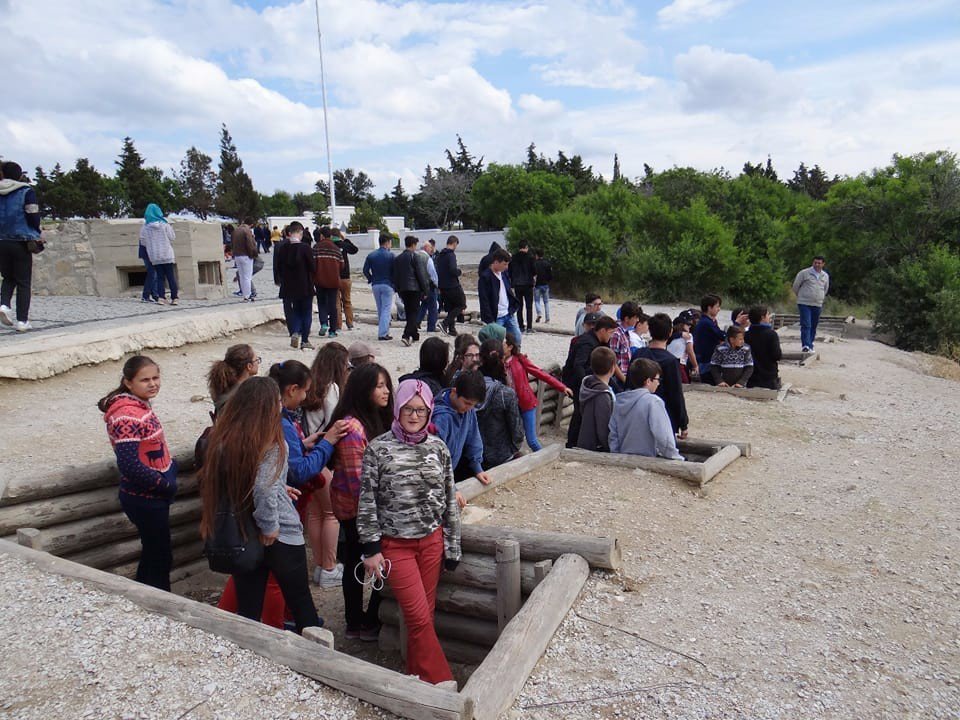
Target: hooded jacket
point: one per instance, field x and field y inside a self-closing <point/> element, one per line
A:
<point x="488" y="288"/>
<point x="143" y="457"/>
<point x="448" y="274"/>
<point x="596" y="407"/>
<point x="640" y="425"/>
<point x="521" y="269"/>
<point x="486" y="260"/>
<point x="19" y="211"/>
<point x="460" y="432"/>
<point x="764" y="343"/>
<point x="500" y="426"/>
<point x="157" y="238"/>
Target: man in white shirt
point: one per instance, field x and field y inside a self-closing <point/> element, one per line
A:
<point x="498" y="304"/>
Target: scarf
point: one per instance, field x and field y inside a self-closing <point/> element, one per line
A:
<point x="406" y="391"/>
<point x="153" y="214"/>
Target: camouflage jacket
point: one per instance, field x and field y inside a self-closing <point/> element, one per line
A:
<point x="407" y="491"/>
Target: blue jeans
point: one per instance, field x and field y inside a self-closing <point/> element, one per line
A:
<point x="530" y="429"/>
<point x="383" y="296"/>
<point x="429" y="309"/>
<point x="509" y="323"/>
<point x="165" y="271"/>
<point x="150" y="284"/>
<point x="541" y="295"/>
<point x="809" y="317"/>
<point x="152" y="519"/>
<point x="299" y="313"/>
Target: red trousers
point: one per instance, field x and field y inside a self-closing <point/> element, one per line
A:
<point x="274" y="608"/>
<point x="414" y="574"/>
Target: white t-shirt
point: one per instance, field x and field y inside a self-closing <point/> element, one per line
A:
<point x="503" y="302"/>
<point x="636" y="340"/>
<point x="678" y="347"/>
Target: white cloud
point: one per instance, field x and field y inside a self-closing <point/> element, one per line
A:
<point x="683" y="12"/>
<point x="536" y="105"/>
<point x="718" y="80"/>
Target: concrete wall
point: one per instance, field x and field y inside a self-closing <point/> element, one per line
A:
<point x="97" y="257"/>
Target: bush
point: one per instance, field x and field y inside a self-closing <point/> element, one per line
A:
<point x="917" y="301"/>
<point x="576" y="241"/>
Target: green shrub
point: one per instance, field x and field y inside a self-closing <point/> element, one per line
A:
<point x="576" y="242"/>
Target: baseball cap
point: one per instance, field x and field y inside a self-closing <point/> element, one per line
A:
<point x="359" y="350"/>
<point x="591" y="318"/>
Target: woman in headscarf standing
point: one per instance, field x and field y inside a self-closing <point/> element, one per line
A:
<point x="156" y="237"/>
<point x="409" y="522"/>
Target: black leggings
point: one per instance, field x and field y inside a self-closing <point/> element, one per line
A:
<point x="350" y="552"/>
<point x="16" y="267"/>
<point x="289" y="566"/>
<point x="152" y="518"/>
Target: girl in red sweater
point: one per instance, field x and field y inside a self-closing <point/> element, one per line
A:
<point x="519" y="366"/>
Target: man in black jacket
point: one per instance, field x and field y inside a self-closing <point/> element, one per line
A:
<point x="448" y="281"/>
<point x="543" y="276"/>
<point x="765" y="346"/>
<point x="412" y="283"/>
<point x="498" y="304"/>
<point x="521" y="277"/>
<point x="670" y="389"/>
<point x="347" y="248"/>
<point x="577" y="366"/>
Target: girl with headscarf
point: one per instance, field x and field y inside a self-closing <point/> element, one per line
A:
<point x="156" y="237"/>
<point x="409" y="522"/>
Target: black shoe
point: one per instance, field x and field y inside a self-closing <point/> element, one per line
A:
<point x="385" y="338"/>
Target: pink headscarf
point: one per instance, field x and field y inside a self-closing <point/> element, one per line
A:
<point x="406" y="391"/>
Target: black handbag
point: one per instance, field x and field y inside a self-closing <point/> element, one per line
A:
<point x="234" y="547"/>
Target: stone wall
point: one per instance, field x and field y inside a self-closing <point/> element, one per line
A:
<point x="100" y="257"/>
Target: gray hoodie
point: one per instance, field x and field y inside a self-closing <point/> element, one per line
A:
<point x="596" y="406"/>
<point x="500" y="424"/>
<point x="640" y="426"/>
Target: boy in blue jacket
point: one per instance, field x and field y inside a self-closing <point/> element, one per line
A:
<point x="455" y="420"/>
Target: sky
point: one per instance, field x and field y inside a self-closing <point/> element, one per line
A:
<point x="701" y="83"/>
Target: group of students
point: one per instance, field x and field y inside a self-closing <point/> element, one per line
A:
<point x="629" y="389"/>
<point x="367" y="470"/>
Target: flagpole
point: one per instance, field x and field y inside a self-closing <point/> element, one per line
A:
<point x="326" y="122"/>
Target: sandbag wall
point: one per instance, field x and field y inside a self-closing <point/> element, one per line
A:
<point x="549" y="401"/>
<point x="75" y="514"/>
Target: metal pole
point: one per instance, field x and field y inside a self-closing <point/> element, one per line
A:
<point x="326" y="122"/>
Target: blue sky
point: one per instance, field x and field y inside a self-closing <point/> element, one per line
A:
<point x="705" y="83"/>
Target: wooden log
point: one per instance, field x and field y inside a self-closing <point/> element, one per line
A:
<point x="689" y="471"/>
<point x="185" y="554"/>
<point x="745" y="393"/>
<point x="472" y="488"/>
<point x="716" y="463"/>
<point x="600" y="552"/>
<point x="72" y="479"/>
<point x="118" y="553"/>
<point x="540" y="570"/>
<point x="404" y="696"/>
<point x="709" y="447"/>
<point x="456" y="651"/>
<point x="480" y="571"/>
<point x="509" y="597"/>
<point x="71" y="537"/>
<point x="482" y="633"/>
<point x="75" y="506"/>
<point x="473" y="602"/>
<point x="496" y="683"/>
<point x="184" y="572"/>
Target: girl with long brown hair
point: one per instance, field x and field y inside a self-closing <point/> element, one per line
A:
<point x="239" y="363"/>
<point x="246" y="466"/>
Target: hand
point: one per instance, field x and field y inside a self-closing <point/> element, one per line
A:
<point x="373" y="565"/>
<point x="293" y="493"/>
<point x="568" y="392"/>
<point x="737" y="385"/>
<point x="483" y="478"/>
<point x="310" y="441"/>
<point x="722" y="384"/>
<point x="268" y="540"/>
<point x="461" y="500"/>
<point x="743" y="319"/>
<point x="336" y="431"/>
<point x="683" y="434"/>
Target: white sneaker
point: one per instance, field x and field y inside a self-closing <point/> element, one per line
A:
<point x="328" y="578"/>
<point x="6" y="316"/>
<point x="24" y="326"/>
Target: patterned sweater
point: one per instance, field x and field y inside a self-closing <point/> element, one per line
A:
<point x="734" y="366"/>
<point x="407" y="491"/>
<point x="347" y="470"/>
<point x="143" y="458"/>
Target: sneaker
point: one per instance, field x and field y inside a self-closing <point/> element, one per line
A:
<point x="295" y="342"/>
<point x="333" y="334"/>
<point x="323" y="331"/>
<point x="148" y="300"/>
<point x="306" y="345"/>
<point x="328" y="578"/>
<point x="238" y="294"/>
<point x="161" y="301"/>
<point x="24" y="326"/>
<point x="406" y="341"/>
<point x="6" y="316"/>
<point x="364" y="633"/>
<point x="540" y="319"/>
<point x="385" y="338"/>
<point x="443" y="329"/>
<point x="804" y="349"/>
<point x="175" y="301"/>
<point x="349" y="327"/>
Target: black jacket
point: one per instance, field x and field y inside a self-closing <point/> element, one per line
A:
<point x="448" y="274"/>
<point x="486" y="260"/>
<point x="347" y="248"/>
<point x="543" y="270"/>
<point x="488" y="288"/>
<point x="577" y="366"/>
<point x="671" y="385"/>
<point x="294" y="264"/>
<point x="521" y="270"/>
<point x="409" y="275"/>
<point x="765" y="346"/>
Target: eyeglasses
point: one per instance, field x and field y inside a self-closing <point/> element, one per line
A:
<point x="472" y="355"/>
<point x="596" y="303"/>
<point x="410" y="412"/>
<point x="656" y="379"/>
<point x="257" y="360"/>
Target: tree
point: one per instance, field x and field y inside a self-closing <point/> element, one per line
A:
<point x="504" y="191"/>
<point x="444" y="195"/>
<point x="813" y="182"/>
<point x="140" y="188"/>
<point x="197" y="182"/>
<point x="236" y="197"/>
<point x="352" y="187"/>
<point x="280" y="204"/>
<point x="759" y="170"/>
<point x="580" y="246"/>
<point x="616" y="168"/>
<point x="366" y="216"/>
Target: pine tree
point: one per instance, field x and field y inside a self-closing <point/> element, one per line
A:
<point x="197" y="182"/>
<point x="140" y="188"/>
<point x="616" y="168"/>
<point x="236" y="197"/>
